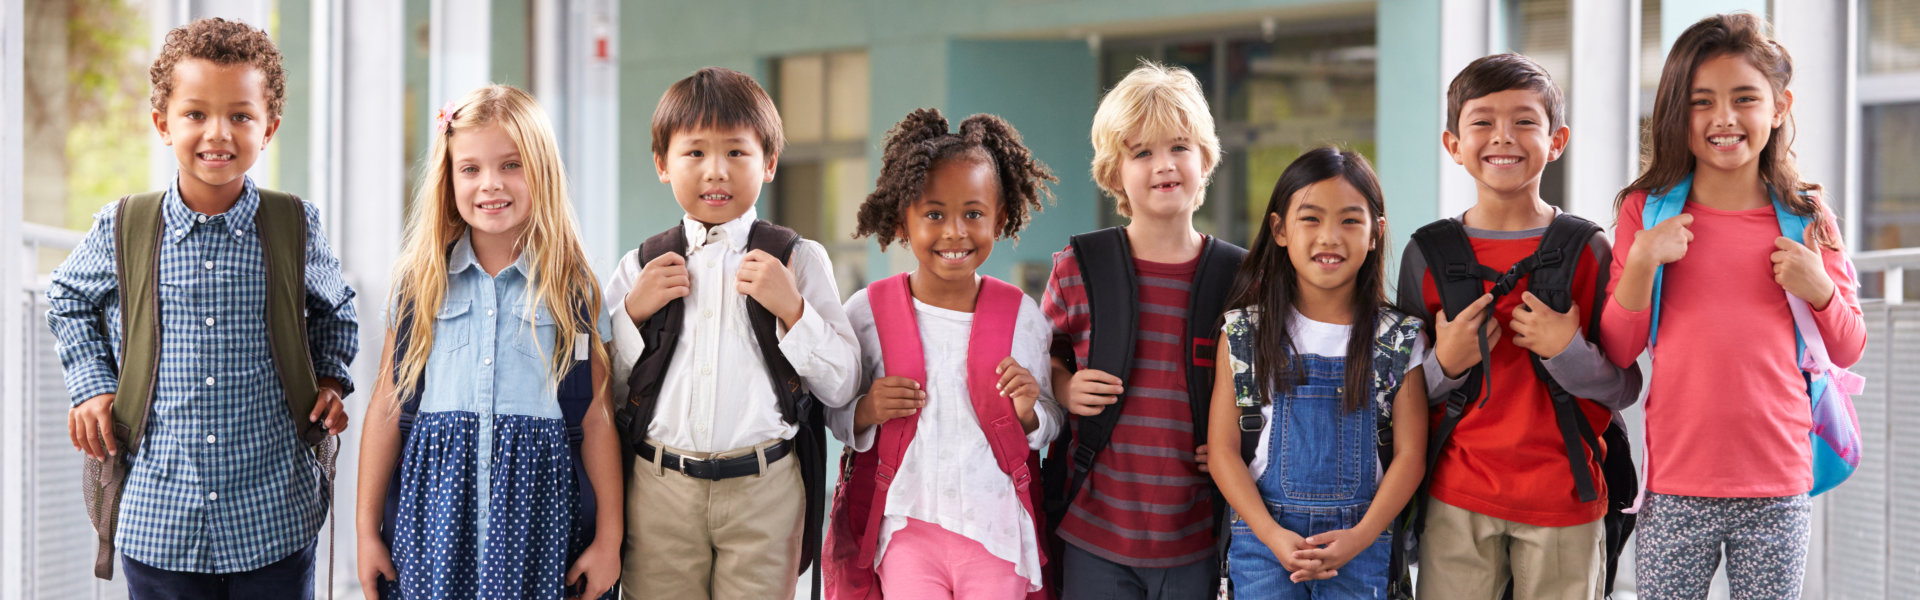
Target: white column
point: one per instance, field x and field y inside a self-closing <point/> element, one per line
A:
<point x="13" y="307"/>
<point x="590" y="141"/>
<point x="368" y="176"/>
<point x="1603" y="108"/>
<point x="461" y="57"/>
<point x="1820" y="35"/>
<point x="1467" y="31"/>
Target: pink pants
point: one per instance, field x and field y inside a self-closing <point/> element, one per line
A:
<point x="924" y="560"/>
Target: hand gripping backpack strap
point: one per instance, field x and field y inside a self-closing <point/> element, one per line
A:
<point x="661" y="333"/>
<point x="1836" y="427"/>
<point x="1113" y="309"/>
<point x="281" y="222"/>
<point x="136" y="242"/>
<point x="893" y="313"/>
<point x="1460" y="280"/>
<point x="797" y="405"/>
<point x="1551" y="280"/>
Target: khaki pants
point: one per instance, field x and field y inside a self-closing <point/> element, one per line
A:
<point x="1470" y="556"/>
<point x="694" y="539"/>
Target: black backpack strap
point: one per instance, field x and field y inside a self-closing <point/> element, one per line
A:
<point x="660" y="332"/>
<point x="1219" y="261"/>
<point x="1113" y="310"/>
<point x="1552" y="282"/>
<point x="797" y="404"/>
<point x="1460" y="279"/>
<point x="575" y="394"/>
<point x="409" y="411"/>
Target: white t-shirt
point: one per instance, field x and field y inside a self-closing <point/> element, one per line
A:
<point x="1325" y="340"/>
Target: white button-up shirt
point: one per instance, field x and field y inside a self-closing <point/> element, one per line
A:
<point x="701" y="412"/>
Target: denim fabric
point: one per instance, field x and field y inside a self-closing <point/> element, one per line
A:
<point x="1322" y="475"/>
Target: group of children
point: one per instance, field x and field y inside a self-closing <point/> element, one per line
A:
<point x="1268" y="413"/>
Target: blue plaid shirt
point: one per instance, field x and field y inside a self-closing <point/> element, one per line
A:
<point x="220" y="484"/>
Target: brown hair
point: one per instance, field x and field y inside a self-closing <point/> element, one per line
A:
<point x="1666" y="155"/>
<point x="716" y="97"/>
<point x="921" y="141"/>
<point x="1497" y="73"/>
<point x="221" y="42"/>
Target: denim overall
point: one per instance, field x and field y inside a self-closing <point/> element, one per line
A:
<point x="1321" y="474"/>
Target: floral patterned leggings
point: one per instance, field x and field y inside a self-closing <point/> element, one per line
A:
<point x="1680" y="541"/>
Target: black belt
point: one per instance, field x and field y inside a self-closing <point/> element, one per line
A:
<point x="717" y="469"/>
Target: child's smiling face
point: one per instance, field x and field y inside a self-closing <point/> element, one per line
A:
<point x="216" y="121"/>
<point x="490" y="183"/>
<point x="716" y="173"/>
<point x="1733" y="112"/>
<point x="1505" y="140"/>
<point x="1163" y="177"/>
<point x="951" y="227"/>
<point x="1328" y="233"/>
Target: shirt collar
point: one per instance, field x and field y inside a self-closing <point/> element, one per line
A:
<point x="181" y="220"/>
<point x="735" y="231"/>
<point x="460" y="257"/>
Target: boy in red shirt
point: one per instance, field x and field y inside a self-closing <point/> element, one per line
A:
<point x="1502" y="499"/>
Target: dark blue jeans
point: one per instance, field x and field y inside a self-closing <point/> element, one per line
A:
<point x="289" y="578"/>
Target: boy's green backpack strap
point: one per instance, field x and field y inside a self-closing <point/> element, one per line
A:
<point x="281" y="223"/>
<point x="136" y="250"/>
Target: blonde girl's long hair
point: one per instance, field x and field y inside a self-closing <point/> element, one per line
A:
<point x="559" y="276"/>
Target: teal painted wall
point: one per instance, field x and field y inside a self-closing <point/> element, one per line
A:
<point x="1409" y="105"/>
<point x="1016" y="58"/>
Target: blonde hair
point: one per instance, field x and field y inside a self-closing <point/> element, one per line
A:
<point x="1153" y="102"/>
<point x="559" y="275"/>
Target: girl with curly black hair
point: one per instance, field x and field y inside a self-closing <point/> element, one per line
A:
<point x="940" y="499"/>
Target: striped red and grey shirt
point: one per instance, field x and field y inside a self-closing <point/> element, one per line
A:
<point x="1146" y="503"/>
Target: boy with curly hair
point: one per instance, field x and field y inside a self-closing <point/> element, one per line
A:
<point x="207" y="362"/>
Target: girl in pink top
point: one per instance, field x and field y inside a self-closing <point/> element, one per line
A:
<point x="1728" y="459"/>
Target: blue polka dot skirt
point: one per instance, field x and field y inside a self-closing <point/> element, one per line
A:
<point x="516" y="541"/>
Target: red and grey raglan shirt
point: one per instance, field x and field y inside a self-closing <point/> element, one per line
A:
<point x="1506" y="459"/>
<point x="1145" y="504"/>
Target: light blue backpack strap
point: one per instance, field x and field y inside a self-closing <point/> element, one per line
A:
<point x="1793" y="227"/>
<point x="1661" y="206"/>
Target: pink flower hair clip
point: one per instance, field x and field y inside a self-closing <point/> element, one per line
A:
<point x="443" y="119"/>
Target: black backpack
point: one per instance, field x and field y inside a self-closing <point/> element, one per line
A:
<point x="1113" y="304"/>
<point x="661" y="332"/>
<point x="1550" y="271"/>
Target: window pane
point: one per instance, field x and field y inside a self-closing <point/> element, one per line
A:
<point x="802" y="79"/>
<point x="1890" y="202"/>
<point x="849" y="96"/>
<point x="1891" y="36"/>
<point x="1542" y="30"/>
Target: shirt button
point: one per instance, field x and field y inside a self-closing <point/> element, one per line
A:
<point x="210" y="438"/>
<point x="213" y="495"/>
<point x="706" y="314"/>
<point x="208" y="265"/>
<point x="209" y="321"/>
<point x="201" y="218"/>
<point x="487" y="361"/>
<point x="209" y="381"/>
<point x="706" y="370"/>
<point x="489" y="312"/>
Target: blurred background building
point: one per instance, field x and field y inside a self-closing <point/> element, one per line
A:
<point x="1282" y="75"/>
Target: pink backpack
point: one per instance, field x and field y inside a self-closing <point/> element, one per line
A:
<point x="860" y="501"/>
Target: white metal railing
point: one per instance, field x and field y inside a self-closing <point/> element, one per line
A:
<point x="56" y="566"/>
<point x="1892" y="264"/>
